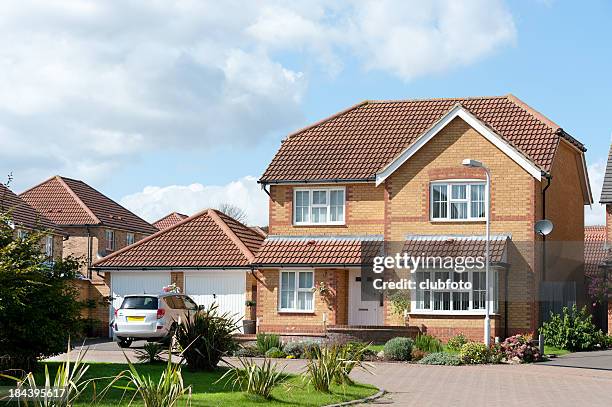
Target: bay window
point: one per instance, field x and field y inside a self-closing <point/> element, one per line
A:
<point x="442" y="301"/>
<point x="319" y="206"/>
<point x="457" y="200"/>
<point x="296" y="291"/>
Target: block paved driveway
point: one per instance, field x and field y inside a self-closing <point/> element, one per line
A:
<point x="583" y="379"/>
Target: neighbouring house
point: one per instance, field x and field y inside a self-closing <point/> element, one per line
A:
<point x="606" y="199"/>
<point x="391" y="171"/>
<point x="97" y="226"/>
<point x="596" y="252"/>
<point x="169" y="220"/>
<point x="24" y="219"/>
<point x="208" y="256"/>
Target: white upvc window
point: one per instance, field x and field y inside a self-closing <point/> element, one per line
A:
<point x="129" y="239"/>
<point x="109" y="237"/>
<point x="457" y="201"/>
<point x="296" y="293"/>
<point x="440" y="301"/>
<point x="49" y="246"/>
<point x="22" y="234"/>
<point x="319" y="206"/>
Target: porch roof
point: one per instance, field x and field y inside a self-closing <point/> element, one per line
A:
<point x="457" y="246"/>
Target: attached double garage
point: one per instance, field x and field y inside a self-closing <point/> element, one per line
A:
<point x="208" y="256"/>
<point x="226" y="288"/>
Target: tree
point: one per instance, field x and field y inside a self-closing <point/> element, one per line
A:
<point x="233" y="211"/>
<point x="39" y="307"/>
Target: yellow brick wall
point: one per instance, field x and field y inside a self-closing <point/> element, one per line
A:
<point x="365" y="211"/>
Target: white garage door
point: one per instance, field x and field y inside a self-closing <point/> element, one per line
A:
<point x="226" y="288"/>
<point x="123" y="284"/>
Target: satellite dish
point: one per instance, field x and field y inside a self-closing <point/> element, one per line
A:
<point x="543" y="227"/>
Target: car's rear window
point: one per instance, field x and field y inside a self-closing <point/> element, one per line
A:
<point x="139" y="303"/>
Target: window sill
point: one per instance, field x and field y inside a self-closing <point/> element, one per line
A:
<point x="458" y="220"/>
<point x="452" y="313"/>
<point x="284" y="311"/>
<point x="318" y="224"/>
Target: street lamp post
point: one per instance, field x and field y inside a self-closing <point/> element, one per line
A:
<point x="487" y="327"/>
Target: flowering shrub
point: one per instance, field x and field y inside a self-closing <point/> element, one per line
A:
<point x="475" y="353"/>
<point x="456" y="342"/>
<point x="519" y="349"/>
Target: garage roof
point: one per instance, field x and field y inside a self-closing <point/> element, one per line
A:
<point x="208" y="239"/>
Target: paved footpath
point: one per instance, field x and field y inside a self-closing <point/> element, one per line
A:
<point x="551" y="384"/>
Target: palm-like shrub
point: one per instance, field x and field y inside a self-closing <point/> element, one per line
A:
<point x="428" y="344"/>
<point x="151" y="352"/>
<point x="332" y="364"/>
<point x="164" y="392"/>
<point x="253" y="378"/>
<point x="205" y="337"/>
<point x="265" y="342"/>
<point x="69" y="377"/>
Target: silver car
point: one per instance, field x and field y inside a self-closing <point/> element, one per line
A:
<point x="153" y="317"/>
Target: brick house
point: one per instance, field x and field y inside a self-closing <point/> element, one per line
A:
<point x="25" y="219"/>
<point x="391" y="171"/>
<point x="96" y="225"/>
<point x="208" y="256"/>
<point x="606" y="199"/>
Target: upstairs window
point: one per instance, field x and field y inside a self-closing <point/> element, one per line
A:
<point x="130" y="239"/>
<point x="456" y="201"/>
<point x="319" y="206"/>
<point x="109" y="236"/>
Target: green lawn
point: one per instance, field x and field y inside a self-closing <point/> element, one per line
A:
<point x="551" y="350"/>
<point x="206" y="392"/>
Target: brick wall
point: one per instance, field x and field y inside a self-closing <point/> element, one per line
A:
<point x="333" y="307"/>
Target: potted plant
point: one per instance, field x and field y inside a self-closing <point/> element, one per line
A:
<point x="249" y="325"/>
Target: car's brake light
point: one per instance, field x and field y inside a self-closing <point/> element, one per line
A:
<point x="116" y="312"/>
<point x="160" y="313"/>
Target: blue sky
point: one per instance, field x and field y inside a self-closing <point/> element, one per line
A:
<point x="177" y="116"/>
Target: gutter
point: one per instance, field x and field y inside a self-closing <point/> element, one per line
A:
<point x="169" y="268"/>
<point x="319" y="181"/>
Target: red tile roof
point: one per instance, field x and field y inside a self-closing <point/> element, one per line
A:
<point x="595" y="251"/>
<point x="169" y="220"/>
<point x="209" y="239"/>
<point x="357" y="143"/>
<point x="23" y="214"/>
<point x="457" y="246"/>
<point x="71" y="202"/>
<point x="312" y="251"/>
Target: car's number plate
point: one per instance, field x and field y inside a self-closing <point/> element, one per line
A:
<point x="135" y="319"/>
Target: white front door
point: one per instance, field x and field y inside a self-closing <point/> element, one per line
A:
<point x="362" y="312"/>
<point x="135" y="282"/>
<point x="226" y="288"/>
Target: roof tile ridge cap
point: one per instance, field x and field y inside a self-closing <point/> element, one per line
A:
<point x="115" y="202"/>
<point x="440" y="99"/>
<point x="37" y="185"/>
<point x="326" y="119"/>
<point x="76" y="197"/>
<point x="505" y="139"/>
<point x="533" y="112"/>
<point x="230" y="233"/>
<point x="150" y="237"/>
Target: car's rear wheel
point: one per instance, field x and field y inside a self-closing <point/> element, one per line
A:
<point x="124" y="342"/>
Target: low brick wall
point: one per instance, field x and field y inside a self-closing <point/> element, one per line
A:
<point x="374" y="334"/>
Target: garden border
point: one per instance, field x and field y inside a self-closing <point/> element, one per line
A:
<point x="381" y="392"/>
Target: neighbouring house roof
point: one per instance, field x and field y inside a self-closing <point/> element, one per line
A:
<point x="208" y="239"/>
<point x="457" y="246"/>
<point x="169" y="220"/>
<point x="23" y="214"/>
<point x="358" y="143"/>
<point x="595" y="249"/>
<point x="70" y="202"/>
<point x="318" y="251"/>
<point x="606" y="191"/>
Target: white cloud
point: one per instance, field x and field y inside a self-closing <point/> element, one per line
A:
<point x="596" y="214"/>
<point x="97" y="83"/>
<point x="154" y="202"/>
